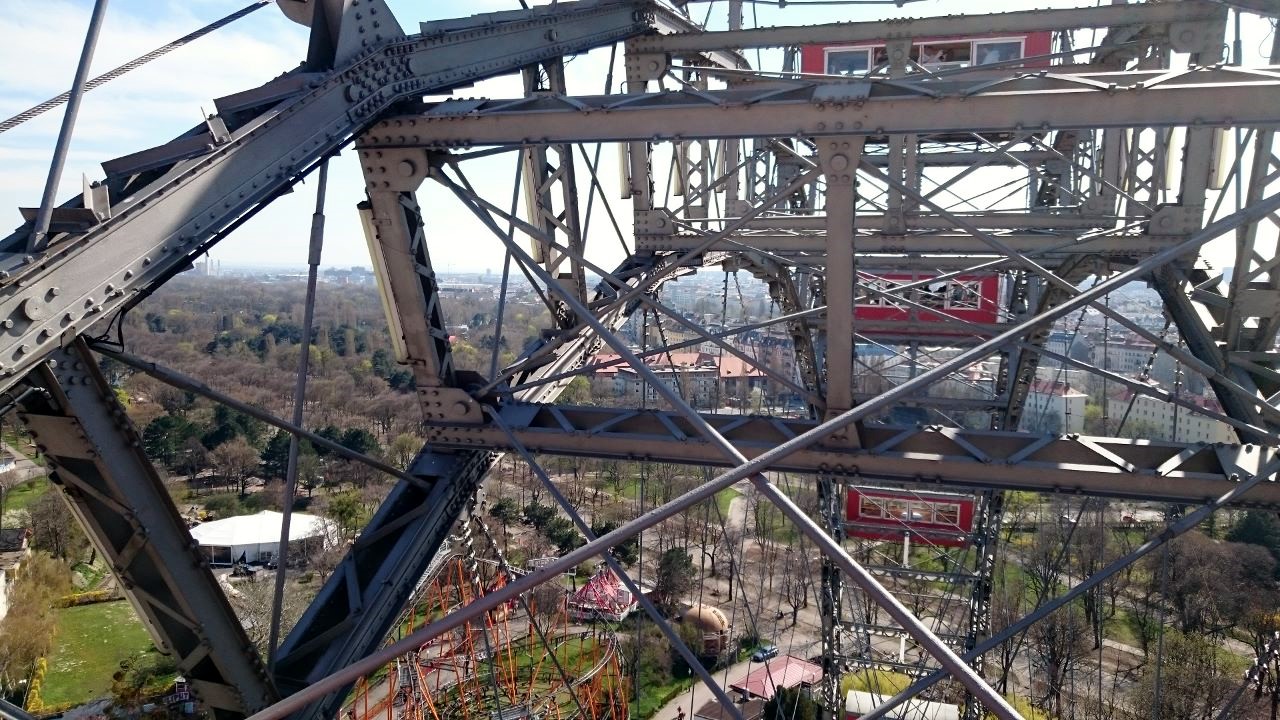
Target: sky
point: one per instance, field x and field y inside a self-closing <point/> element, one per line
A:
<point x="165" y="98"/>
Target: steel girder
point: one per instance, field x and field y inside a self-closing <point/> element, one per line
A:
<point x="1176" y="15"/>
<point x="167" y="204"/>
<point x="1241" y="402"/>
<point x="982" y="459"/>
<point x="98" y="463"/>
<point x="550" y="189"/>
<point x="1207" y="97"/>
<point x="163" y="206"/>
<point x="808" y="248"/>
<point x="356" y="607"/>
<point x="359" y="604"/>
<point x="1234" y="331"/>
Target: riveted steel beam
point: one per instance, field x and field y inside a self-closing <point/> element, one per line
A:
<point x="98" y="463"/>
<point x="1204" y="97"/>
<point x="1196" y="11"/>
<point x="1175" y="472"/>
<point x="167" y="210"/>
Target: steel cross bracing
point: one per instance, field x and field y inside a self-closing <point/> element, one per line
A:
<point x="1095" y="195"/>
<point x="928" y="455"/>
<point x="116" y="494"/>
<point x="358" y="605"/>
<point x="1235" y="331"/>
<point x="165" y="205"/>
<point x="985" y="103"/>
<point x="160" y="207"/>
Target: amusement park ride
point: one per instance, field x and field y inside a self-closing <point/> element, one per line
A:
<point x="941" y="182"/>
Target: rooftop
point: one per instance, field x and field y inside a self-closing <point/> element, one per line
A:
<point x="1055" y="387"/>
<point x="13" y="539"/>
<point x="786" y="671"/>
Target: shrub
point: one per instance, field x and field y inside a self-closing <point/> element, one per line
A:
<point x="537" y="514"/>
<point x="35" y="702"/>
<point x="86" y="598"/>
<point x="879" y="682"/>
<point x="224" y="505"/>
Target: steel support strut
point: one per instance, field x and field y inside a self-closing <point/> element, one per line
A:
<point x="97" y="460"/>
<point x="1189" y="521"/>
<point x="931" y="643"/>
<point x="299" y="404"/>
<point x="358" y="605"/>
<point x="768" y="459"/>
<point x="976" y="459"/>
<point x="40" y="233"/>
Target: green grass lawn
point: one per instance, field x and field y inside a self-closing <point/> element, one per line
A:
<point x="20" y="443"/>
<point x="653" y="697"/>
<point x="724" y="498"/>
<point x="1120" y="628"/>
<point x="90" y="575"/>
<point x="92" y="641"/>
<point x="630" y="489"/>
<point x="22" y="496"/>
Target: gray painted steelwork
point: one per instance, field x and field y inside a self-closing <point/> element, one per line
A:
<point x="1203" y="97"/>
<point x="1100" y="196"/>
<point x="97" y="460"/>
<point x="1112" y="467"/>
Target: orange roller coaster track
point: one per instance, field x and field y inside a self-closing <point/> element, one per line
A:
<point x="502" y="668"/>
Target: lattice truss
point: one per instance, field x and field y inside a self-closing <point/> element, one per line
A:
<point x="919" y="212"/>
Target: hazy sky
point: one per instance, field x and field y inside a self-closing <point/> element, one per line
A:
<point x="165" y="98"/>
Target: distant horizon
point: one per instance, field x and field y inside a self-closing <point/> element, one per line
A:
<point x="302" y="267"/>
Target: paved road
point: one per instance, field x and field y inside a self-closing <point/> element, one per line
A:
<point x="698" y="695"/>
<point x="25" y="468"/>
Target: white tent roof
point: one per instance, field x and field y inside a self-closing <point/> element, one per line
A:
<point x="257" y="529"/>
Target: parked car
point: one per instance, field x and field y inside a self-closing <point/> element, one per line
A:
<point x="243" y="570"/>
<point x="764" y="653"/>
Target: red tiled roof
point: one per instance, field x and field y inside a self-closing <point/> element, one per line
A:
<point x="677" y="360"/>
<point x="731" y="366"/>
<point x="785" y="671"/>
<point x="1051" y="387"/>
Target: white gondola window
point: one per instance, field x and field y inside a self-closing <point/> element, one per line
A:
<point x="848" y="61"/>
<point x="986" y="52"/>
<point x="964" y="295"/>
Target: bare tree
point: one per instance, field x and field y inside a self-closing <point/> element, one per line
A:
<point x="8" y="481"/>
<point x="192" y="458"/>
<point x="796" y="580"/>
<point x="1007" y="599"/>
<point x="710" y="540"/>
<point x="1091" y="550"/>
<point x="252" y="602"/>
<point x="1196" y="678"/>
<point x="1060" y="642"/>
<point x="236" y="461"/>
<point x="546" y="601"/>
<point x="1208" y="581"/>
<point x="54" y="529"/>
<point x="1045" y="561"/>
